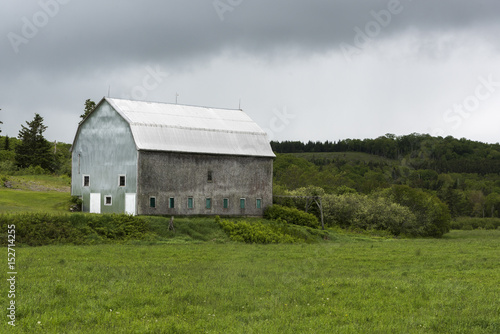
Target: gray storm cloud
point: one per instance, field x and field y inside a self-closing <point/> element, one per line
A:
<point x="56" y="53"/>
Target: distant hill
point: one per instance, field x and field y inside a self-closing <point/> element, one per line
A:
<point x="419" y="151"/>
<point x="464" y="174"/>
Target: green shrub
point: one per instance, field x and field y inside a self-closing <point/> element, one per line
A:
<point x="244" y="231"/>
<point x="33" y="170"/>
<point x="270" y="232"/>
<point x="475" y="223"/>
<point x="291" y="216"/>
<point x="76" y="204"/>
<point x="433" y="216"/>
<point x="489" y="226"/>
<point x="37" y="229"/>
<point x="361" y="212"/>
<point x="7" y="166"/>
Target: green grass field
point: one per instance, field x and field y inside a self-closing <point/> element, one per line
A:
<point x="41" y="182"/>
<point x="197" y="281"/>
<point x="35" y="193"/>
<point x="348" y="285"/>
<point x="33" y="201"/>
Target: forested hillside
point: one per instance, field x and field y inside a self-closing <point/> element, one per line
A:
<point x="419" y="151"/>
<point x="463" y="174"/>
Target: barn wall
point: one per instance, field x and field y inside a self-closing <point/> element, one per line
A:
<point x="104" y="149"/>
<point x="165" y="175"/>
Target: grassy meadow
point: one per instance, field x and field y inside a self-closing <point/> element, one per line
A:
<point x="346" y="285"/>
<point x="33" y="201"/>
<point x="35" y="193"/>
<point x="198" y="281"/>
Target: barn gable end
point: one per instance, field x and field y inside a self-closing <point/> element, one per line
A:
<point x="103" y="153"/>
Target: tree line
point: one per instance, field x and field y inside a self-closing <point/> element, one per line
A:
<point x="422" y="151"/>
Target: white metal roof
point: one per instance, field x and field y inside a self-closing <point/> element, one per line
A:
<point x="180" y="128"/>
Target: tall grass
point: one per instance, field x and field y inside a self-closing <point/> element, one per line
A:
<point x="448" y="285"/>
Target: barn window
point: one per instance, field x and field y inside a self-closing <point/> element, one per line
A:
<point x="190" y="202"/>
<point x="152" y="202"/>
<point x="108" y="200"/>
<point x="242" y="203"/>
<point x="258" y="203"/>
<point x="208" y="203"/>
<point x="225" y="203"/>
<point x="209" y="176"/>
<point x="122" y="180"/>
<point x="171" y="202"/>
<point x="86" y="180"/>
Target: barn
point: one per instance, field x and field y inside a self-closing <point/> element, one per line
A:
<point x="150" y="158"/>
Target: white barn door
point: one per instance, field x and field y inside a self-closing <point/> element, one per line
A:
<point x="130" y="204"/>
<point x="95" y="203"/>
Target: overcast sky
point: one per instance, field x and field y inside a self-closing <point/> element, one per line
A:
<point x="303" y="70"/>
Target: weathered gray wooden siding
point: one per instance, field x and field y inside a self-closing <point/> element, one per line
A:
<point x="166" y="175"/>
<point x="104" y="149"/>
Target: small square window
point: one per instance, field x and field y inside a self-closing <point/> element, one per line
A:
<point x="86" y="180"/>
<point x="209" y="176"/>
<point x="208" y="203"/>
<point x="171" y="202"/>
<point x="122" y="181"/>
<point x="242" y="203"/>
<point x="108" y="200"/>
<point x="225" y="202"/>
<point x="152" y="202"/>
<point x="190" y="202"/>
<point x="258" y="203"/>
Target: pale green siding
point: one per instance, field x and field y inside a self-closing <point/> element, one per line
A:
<point x="104" y="149"/>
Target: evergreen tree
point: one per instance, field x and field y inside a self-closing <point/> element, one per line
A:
<point x="34" y="149"/>
<point x="1" y="123"/>
<point x="7" y="143"/>
<point x="89" y="106"/>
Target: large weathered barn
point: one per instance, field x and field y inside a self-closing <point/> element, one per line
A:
<point x="153" y="158"/>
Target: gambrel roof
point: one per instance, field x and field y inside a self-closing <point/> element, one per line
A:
<point x="180" y="128"/>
